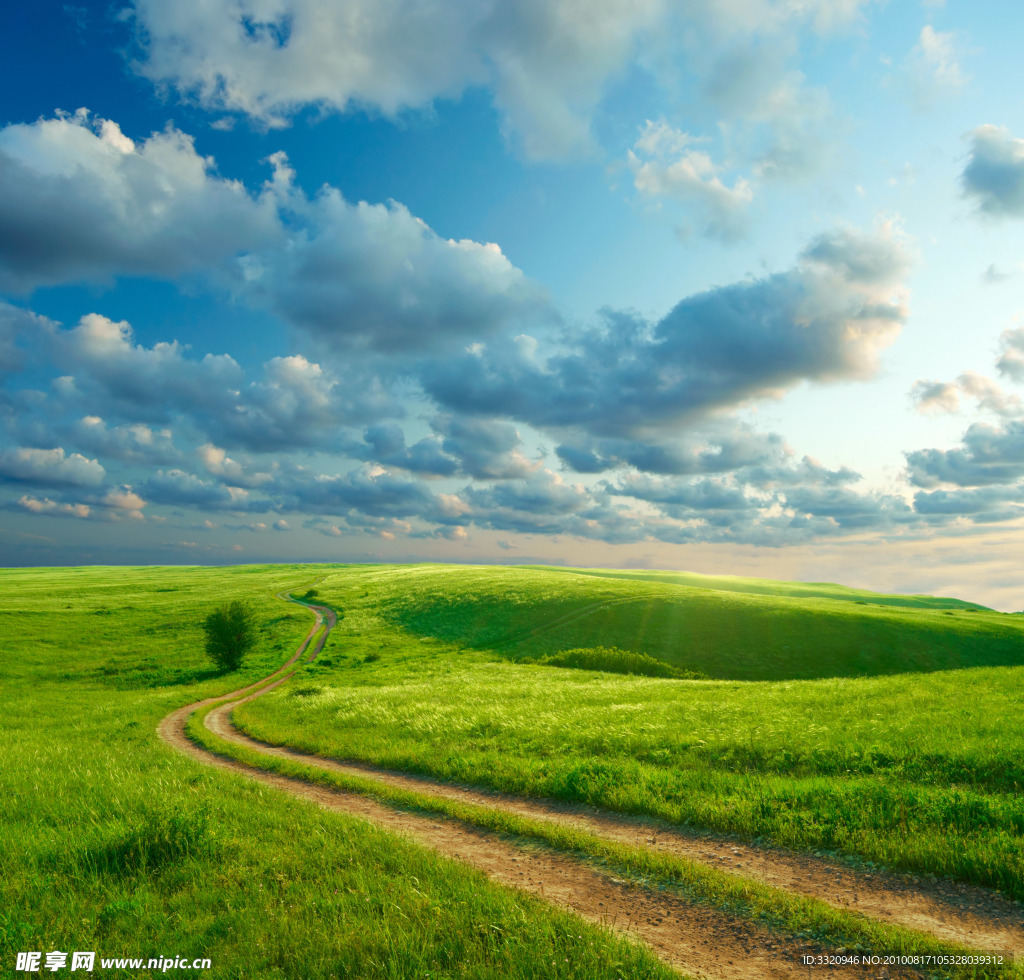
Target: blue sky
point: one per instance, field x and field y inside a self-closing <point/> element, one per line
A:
<point x="725" y="286"/>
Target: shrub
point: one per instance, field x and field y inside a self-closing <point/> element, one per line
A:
<point x="231" y="632"/>
<point x="616" y="661"/>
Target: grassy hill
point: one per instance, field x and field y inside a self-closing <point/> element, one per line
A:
<point x="880" y="730"/>
<point x="736" y="628"/>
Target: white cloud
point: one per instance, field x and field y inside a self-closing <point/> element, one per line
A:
<point x="769" y="114"/>
<point x="548" y="61"/>
<point x="50" y="467"/>
<point x="932" y="69"/>
<point x="663" y="165"/>
<point x="933" y="396"/>
<point x="35" y="505"/>
<point x="102" y="354"/>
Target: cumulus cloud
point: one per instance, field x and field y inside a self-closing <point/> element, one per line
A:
<point x="296" y="404"/>
<point x="994" y="174"/>
<point x="986" y="469"/>
<point x="715" y="499"/>
<point x="50" y="468"/>
<point x="371" y="491"/>
<point x="80" y="201"/>
<point x="115" y="503"/>
<point x="375" y="277"/>
<point x="546" y="503"/>
<point x="103" y="358"/>
<point x="135" y="443"/>
<point x="385" y="443"/>
<point x="547" y="61"/>
<point x="664" y="165"/>
<point x="826" y="319"/>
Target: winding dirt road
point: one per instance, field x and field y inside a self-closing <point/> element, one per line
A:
<point x="699" y="941"/>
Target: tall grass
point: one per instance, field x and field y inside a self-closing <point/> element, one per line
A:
<point x="113" y="842"/>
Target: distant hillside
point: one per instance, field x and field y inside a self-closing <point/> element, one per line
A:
<point x="726" y="627"/>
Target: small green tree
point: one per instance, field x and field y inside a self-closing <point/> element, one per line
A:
<point x="231" y="632"/>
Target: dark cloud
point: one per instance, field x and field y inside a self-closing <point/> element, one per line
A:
<point x="716" y="503"/>
<point x="806" y="473"/>
<point x="177" y="488"/>
<point x="481" y="448"/>
<point x="988" y="455"/>
<point x="546" y="504"/>
<point x="385" y="444"/>
<point x="486" y="449"/>
<point x="19" y="330"/>
<point x="982" y="505"/>
<point x="851" y="511"/>
<point x="369" y="490"/>
<point x="714" y="447"/>
<point x="994" y="175"/>
<point x="824" y="320"/>
<point x="1011" y="355"/>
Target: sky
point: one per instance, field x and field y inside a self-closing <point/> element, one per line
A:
<point x="730" y="286"/>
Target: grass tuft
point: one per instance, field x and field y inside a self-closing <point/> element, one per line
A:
<point x="612" y="660"/>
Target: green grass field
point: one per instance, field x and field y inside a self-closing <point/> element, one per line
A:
<point x="883" y="727"/>
<point x="112" y="842"/>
